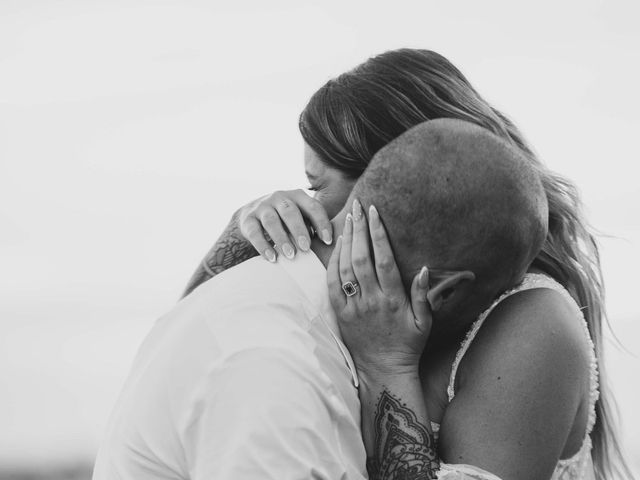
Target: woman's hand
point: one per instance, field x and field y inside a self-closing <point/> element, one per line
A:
<point x="254" y="227"/>
<point x="384" y="330"/>
<point x="282" y="216"/>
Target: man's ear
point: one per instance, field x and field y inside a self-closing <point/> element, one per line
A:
<point x="444" y="289"/>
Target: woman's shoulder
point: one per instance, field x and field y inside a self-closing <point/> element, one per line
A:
<point x="533" y="329"/>
<point x="522" y="383"/>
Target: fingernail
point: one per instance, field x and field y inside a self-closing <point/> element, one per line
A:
<point x="288" y="251"/>
<point x="326" y="237"/>
<point x="357" y="210"/>
<point x="374" y="217"/>
<point x="303" y="243"/>
<point x="423" y="279"/>
<point x="338" y="242"/>
<point x="348" y="222"/>
<point x="271" y="255"/>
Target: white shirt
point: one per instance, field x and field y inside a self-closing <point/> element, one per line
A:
<point x="246" y="378"/>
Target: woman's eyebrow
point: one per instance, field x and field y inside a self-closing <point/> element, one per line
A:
<point x="311" y="176"/>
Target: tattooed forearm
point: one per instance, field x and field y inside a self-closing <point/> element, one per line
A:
<point x="229" y="250"/>
<point x="404" y="449"/>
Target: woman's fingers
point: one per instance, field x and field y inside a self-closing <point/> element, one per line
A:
<point x="346" y="270"/>
<point x="290" y="214"/>
<point x="317" y="215"/>
<point x="272" y="224"/>
<point x="280" y="217"/>
<point x="334" y="283"/>
<point x="252" y="231"/>
<point x="420" y="303"/>
<point x="361" y="252"/>
<point x="388" y="274"/>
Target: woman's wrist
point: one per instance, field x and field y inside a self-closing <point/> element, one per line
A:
<point x="386" y="364"/>
<point x="374" y="377"/>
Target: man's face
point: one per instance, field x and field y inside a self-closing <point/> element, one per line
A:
<point x="331" y="186"/>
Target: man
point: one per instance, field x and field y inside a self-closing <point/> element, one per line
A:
<point x="247" y="377"/>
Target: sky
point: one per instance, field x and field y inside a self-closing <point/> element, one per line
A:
<point x="130" y="131"/>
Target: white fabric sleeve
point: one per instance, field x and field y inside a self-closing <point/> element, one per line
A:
<point x="264" y="414"/>
<point x="463" y="472"/>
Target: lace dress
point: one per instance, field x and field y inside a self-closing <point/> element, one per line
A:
<point x="580" y="465"/>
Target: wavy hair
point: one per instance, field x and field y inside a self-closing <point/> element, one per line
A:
<point x="354" y="115"/>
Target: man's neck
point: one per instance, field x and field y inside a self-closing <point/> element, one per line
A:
<point x="321" y="249"/>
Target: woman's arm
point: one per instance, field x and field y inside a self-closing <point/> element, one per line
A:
<point x="396" y="428"/>
<point x="385" y="333"/>
<point x="229" y="250"/>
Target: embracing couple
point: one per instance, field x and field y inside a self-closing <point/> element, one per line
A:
<point x="441" y="318"/>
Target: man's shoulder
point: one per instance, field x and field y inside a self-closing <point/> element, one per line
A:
<point x="239" y="314"/>
<point x="254" y="281"/>
<point x="254" y="304"/>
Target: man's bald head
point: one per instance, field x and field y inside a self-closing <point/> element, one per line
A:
<point x="454" y="196"/>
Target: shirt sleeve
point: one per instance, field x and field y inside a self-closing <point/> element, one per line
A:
<point x="265" y="414"/>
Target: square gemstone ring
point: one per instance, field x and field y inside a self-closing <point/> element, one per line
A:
<point x="350" y="288"/>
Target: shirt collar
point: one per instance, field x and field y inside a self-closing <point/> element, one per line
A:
<point x="307" y="270"/>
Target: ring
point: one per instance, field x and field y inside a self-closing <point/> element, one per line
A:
<point x="350" y="288"/>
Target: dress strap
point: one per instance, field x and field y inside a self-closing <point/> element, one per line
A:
<point x="531" y="281"/>
<point x="471" y="334"/>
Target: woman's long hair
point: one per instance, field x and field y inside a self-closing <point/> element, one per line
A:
<point x="354" y="115"/>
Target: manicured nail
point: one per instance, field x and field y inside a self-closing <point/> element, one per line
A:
<point x="326" y="237"/>
<point x="423" y="279"/>
<point x="348" y="222"/>
<point x="303" y="243"/>
<point x="357" y="210"/>
<point x="288" y="251"/>
<point x="271" y="255"/>
<point x="374" y="216"/>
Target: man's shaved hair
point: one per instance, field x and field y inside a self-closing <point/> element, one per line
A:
<point x="454" y="196"/>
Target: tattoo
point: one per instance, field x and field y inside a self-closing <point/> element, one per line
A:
<point x="229" y="250"/>
<point x="404" y="448"/>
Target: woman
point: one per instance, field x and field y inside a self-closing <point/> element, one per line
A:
<point x="344" y="124"/>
